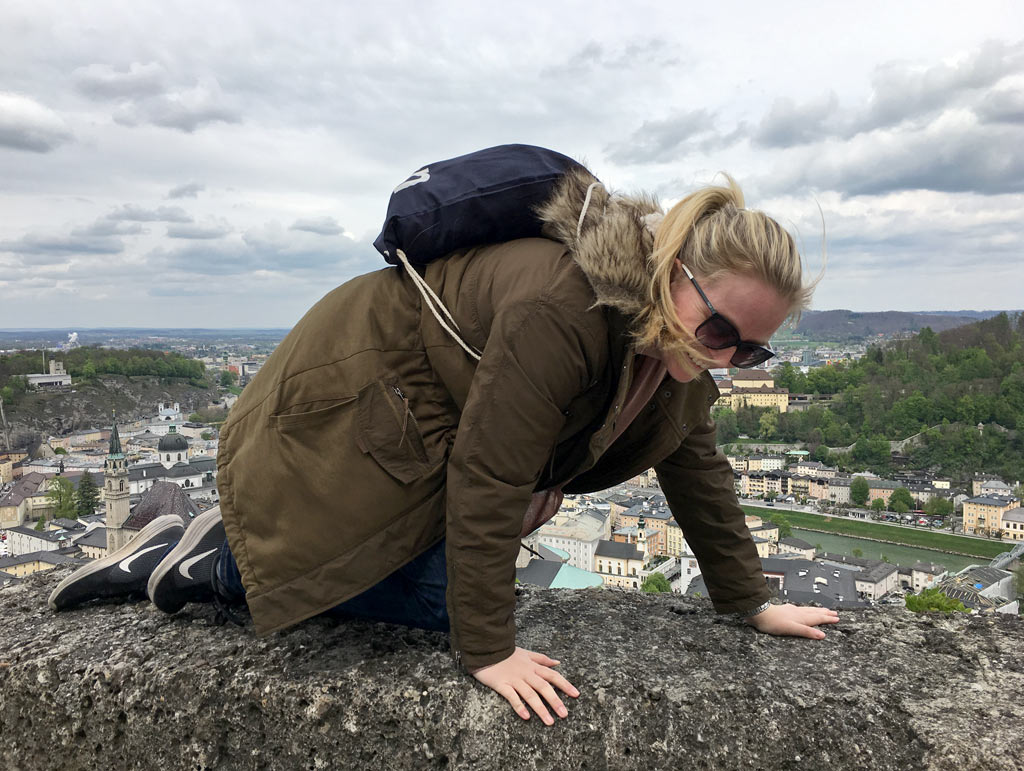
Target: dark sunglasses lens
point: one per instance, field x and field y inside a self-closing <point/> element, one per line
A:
<point x="717" y="333"/>
<point x="748" y="355"/>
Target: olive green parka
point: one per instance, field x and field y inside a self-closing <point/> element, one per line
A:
<point x="369" y="434"/>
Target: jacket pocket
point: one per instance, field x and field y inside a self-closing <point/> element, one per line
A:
<point x="389" y="433"/>
<point x="309" y="414"/>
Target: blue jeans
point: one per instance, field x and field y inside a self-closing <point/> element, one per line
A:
<point x="414" y="595"/>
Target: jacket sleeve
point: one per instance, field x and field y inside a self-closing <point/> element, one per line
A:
<point x="698" y="483"/>
<point x="534" y="363"/>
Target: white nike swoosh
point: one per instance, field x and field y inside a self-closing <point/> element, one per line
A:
<point x="186" y="565"/>
<point x="126" y="563"/>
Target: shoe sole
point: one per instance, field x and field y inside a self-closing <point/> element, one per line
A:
<point x="153" y="529"/>
<point x="200" y="528"/>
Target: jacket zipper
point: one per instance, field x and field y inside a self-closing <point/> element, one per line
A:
<point x="405" y="417"/>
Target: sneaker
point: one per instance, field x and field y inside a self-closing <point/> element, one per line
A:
<point x="186" y="573"/>
<point x="123" y="573"/>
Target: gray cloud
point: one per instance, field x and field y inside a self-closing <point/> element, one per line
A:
<point x="902" y="94"/>
<point x="324" y="226"/>
<point x="102" y="81"/>
<point x="1002" y="106"/>
<point x="188" y="190"/>
<point x="964" y="157"/>
<point x="27" y="125"/>
<point x="266" y="248"/>
<point x="133" y="213"/>
<point x="185" y="109"/>
<point x="47" y="249"/>
<point x="109" y="227"/>
<point x="789" y="124"/>
<point x="662" y="140"/>
<point x="198" y="231"/>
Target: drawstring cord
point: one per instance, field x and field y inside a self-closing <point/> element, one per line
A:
<point x="586" y="205"/>
<point x="431" y="299"/>
<point x="434" y="302"/>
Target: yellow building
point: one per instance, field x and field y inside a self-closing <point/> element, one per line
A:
<point x="27" y="564"/>
<point x="6" y="471"/>
<point x="775" y="398"/>
<point x="983" y="515"/>
<point x="619" y="564"/>
<point x="1013" y="525"/>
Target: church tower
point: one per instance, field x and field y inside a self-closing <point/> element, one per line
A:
<point x="641" y="537"/>
<point x="115" y="493"/>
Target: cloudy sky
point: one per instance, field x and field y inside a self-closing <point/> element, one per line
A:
<point x="225" y="164"/>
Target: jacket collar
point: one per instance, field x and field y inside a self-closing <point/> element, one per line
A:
<point x="613" y="244"/>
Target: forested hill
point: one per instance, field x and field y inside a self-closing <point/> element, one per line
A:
<point x="957" y="378"/>
<point x="843" y="325"/>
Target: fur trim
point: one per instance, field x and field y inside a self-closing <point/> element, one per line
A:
<point x="615" y="242"/>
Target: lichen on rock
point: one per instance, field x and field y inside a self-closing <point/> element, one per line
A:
<point x="664" y="682"/>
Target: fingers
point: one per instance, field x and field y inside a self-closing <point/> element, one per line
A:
<point x="555" y="678"/>
<point x="512" y="697"/>
<point x="540" y="658"/>
<point x="543" y="687"/>
<point x="532" y="698"/>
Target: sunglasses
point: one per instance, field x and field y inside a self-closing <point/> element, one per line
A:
<point x="717" y="333"/>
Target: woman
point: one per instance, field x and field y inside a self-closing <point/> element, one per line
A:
<point x="373" y="464"/>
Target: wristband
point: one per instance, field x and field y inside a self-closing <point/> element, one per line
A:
<point x="750" y="613"/>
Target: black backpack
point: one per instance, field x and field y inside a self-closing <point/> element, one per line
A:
<point x="484" y="197"/>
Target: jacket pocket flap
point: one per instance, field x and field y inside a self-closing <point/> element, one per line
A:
<point x="389" y="432"/>
<point x="310" y="413"/>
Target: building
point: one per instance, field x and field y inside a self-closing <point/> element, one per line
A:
<point x="116" y="492"/>
<point x="983" y="514"/>
<point x="26" y="498"/>
<point x="575" y="534"/>
<point x="34" y="562"/>
<point x="813" y="468"/>
<point x="619" y="564"/>
<point x="981" y="588"/>
<point x="796" y="546"/>
<point x="196" y="475"/>
<point x="26" y="540"/>
<point x="554" y="574"/>
<point x="1013" y="525"/>
<point x="55" y="378"/>
<point x="803" y="581"/>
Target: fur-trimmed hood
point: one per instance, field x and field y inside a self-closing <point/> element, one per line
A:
<point x="614" y="244"/>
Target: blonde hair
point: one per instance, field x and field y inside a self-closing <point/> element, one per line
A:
<point x="714" y="235"/>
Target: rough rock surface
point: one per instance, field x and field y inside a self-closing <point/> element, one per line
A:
<point x="665" y="684"/>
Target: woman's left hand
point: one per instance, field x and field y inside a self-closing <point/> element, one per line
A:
<point x="793" y="621"/>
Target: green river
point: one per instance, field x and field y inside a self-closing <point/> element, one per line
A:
<point x="901" y="555"/>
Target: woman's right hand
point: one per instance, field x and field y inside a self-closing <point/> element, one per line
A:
<point x="526" y="676"/>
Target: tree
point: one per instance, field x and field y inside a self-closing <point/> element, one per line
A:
<point x="89" y="371"/>
<point x="938" y="507"/>
<point x="206" y="436"/>
<point x="877" y="505"/>
<point x="859" y="490"/>
<point x="228" y="378"/>
<point x="901" y="495"/>
<point x="858" y="553"/>
<point x="899" y="507"/>
<point x="59" y="451"/>
<point x="768" y="424"/>
<point x="782" y="522"/>
<point x="86" y="496"/>
<point x="62" y="496"/>
<point x="934" y="599"/>
<point x="655" y="582"/>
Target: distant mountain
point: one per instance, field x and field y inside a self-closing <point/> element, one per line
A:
<point x="847" y="326"/>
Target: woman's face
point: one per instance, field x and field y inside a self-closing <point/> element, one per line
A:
<point x="755" y="309"/>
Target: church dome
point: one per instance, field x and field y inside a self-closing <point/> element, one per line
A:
<point x="172" y="442"/>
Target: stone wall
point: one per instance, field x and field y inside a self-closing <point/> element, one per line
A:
<point x="665" y="684"/>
